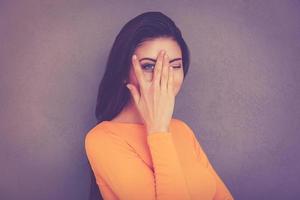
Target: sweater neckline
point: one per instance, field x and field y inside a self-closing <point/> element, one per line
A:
<point x="123" y="123"/>
<point x="129" y="127"/>
<point x="126" y="124"/>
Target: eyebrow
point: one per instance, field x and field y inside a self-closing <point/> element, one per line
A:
<point x="151" y="59"/>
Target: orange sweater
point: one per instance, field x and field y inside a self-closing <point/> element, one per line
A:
<point x="129" y="164"/>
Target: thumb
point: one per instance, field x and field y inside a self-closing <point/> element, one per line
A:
<point x="134" y="92"/>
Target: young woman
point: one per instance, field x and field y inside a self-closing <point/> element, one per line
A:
<point x="138" y="151"/>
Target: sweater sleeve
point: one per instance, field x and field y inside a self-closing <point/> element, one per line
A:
<point x="170" y="182"/>
<point x="128" y="176"/>
<point x="222" y="192"/>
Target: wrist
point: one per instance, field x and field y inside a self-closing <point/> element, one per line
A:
<point x="154" y="130"/>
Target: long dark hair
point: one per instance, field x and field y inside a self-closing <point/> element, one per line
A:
<point x="113" y="94"/>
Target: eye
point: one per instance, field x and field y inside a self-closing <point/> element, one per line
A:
<point x="177" y="66"/>
<point x="148" y="66"/>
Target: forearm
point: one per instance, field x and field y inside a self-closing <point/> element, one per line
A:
<point x="170" y="181"/>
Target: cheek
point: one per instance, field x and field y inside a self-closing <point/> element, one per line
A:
<point x="148" y="75"/>
<point x="133" y="79"/>
<point x="178" y="79"/>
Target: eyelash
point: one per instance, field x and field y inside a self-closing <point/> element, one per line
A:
<point x="149" y="64"/>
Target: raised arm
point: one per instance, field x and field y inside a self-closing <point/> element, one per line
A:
<point x="222" y="192"/>
<point x="129" y="177"/>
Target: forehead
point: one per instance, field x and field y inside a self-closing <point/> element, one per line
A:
<point x="151" y="48"/>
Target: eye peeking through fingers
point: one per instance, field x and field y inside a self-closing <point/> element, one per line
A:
<point x="148" y="66"/>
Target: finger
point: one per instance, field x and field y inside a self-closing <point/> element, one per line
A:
<point x="171" y="79"/>
<point x="138" y="71"/>
<point x="165" y="73"/>
<point x="134" y="92"/>
<point x="158" y="68"/>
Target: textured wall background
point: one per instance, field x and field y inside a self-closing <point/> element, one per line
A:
<point x="241" y="96"/>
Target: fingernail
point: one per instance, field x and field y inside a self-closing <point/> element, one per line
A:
<point x="134" y="57"/>
<point x="163" y="52"/>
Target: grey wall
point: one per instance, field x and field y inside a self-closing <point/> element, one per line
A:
<point x="241" y="96"/>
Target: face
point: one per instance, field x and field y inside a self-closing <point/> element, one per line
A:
<point x="147" y="54"/>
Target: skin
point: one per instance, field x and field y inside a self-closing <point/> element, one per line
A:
<point x="151" y="49"/>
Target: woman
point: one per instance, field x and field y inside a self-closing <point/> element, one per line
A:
<point x="138" y="150"/>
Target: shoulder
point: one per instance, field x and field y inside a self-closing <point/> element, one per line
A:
<point x="190" y="134"/>
<point x="182" y="124"/>
<point x="95" y="132"/>
<point x="100" y="138"/>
